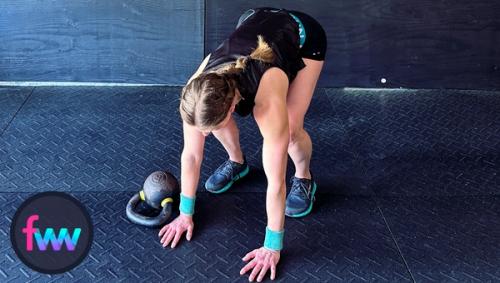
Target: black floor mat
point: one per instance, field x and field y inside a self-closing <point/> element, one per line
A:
<point x="447" y="239"/>
<point x="344" y="239"/>
<point x="408" y="184"/>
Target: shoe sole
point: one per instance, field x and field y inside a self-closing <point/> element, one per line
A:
<point x="310" y="205"/>
<point x="236" y="178"/>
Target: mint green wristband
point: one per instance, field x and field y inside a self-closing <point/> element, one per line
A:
<point x="186" y="205"/>
<point x="274" y="239"/>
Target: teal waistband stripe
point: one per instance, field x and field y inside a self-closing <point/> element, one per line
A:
<point x="302" y="30"/>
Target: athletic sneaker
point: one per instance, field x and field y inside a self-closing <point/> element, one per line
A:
<point x="299" y="201"/>
<point x="227" y="173"/>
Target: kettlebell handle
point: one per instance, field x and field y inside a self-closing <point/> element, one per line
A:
<point x="151" y="222"/>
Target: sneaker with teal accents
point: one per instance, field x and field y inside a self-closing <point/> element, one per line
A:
<point x="299" y="201"/>
<point x="225" y="176"/>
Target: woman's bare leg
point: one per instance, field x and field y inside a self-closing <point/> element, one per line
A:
<point x="229" y="137"/>
<point x="298" y="100"/>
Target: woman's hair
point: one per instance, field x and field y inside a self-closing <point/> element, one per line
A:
<point x="206" y="99"/>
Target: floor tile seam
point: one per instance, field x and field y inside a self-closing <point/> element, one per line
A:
<point x="263" y="192"/>
<point x="394" y="239"/>
<point x="2" y="131"/>
<point x="207" y="193"/>
<point x="492" y="92"/>
<point x="437" y="196"/>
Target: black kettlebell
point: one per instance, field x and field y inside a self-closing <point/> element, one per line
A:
<point x="152" y="206"/>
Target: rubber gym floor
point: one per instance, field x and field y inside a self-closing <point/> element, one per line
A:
<point x="408" y="185"/>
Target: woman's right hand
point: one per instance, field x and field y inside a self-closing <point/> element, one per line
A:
<point x="173" y="231"/>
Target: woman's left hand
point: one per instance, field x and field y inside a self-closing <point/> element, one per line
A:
<point x="261" y="261"/>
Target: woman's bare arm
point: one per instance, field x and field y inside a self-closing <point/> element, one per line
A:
<point x="271" y="115"/>
<point x="192" y="153"/>
<point x="191" y="158"/>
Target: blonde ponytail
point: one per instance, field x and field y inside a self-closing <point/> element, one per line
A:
<point x="263" y="52"/>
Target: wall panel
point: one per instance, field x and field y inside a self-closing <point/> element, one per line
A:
<point x="153" y="41"/>
<point x="412" y="44"/>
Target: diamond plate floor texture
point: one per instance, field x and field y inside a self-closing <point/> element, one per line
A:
<point x="408" y="184"/>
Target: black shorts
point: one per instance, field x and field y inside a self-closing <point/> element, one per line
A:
<point x="315" y="44"/>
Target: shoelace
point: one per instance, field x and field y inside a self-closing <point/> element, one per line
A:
<point x="226" y="168"/>
<point x="300" y="188"/>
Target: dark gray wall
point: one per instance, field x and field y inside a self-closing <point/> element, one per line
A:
<point x="153" y="41"/>
<point x="415" y="44"/>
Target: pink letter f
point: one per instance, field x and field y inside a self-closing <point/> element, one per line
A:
<point x="29" y="230"/>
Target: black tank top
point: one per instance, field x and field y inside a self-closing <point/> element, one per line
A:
<point x="280" y="31"/>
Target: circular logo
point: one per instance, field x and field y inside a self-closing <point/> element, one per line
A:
<point x="51" y="232"/>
